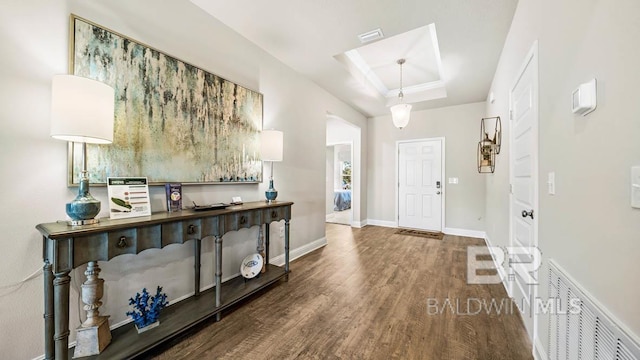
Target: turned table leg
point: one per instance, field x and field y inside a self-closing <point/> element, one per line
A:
<point x="286" y="249"/>
<point x="260" y="249"/>
<point x="266" y="243"/>
<point x="61" y="314"/>
<point x="49" y="346"/>
<point x="218" y="273"/>
<point x="198" y="251"/>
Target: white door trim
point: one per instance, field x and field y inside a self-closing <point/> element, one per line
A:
<point x="397" y="181"/>
<point x="531" y="58"/>
<point x="356" y="168"/>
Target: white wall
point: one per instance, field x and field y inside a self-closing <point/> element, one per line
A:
<point x="588" y="227"/>
<point x="34" y="35"/>
<point x="460" y="126"/>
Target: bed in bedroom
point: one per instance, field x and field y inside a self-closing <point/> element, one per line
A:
<point x="341" y="200"/>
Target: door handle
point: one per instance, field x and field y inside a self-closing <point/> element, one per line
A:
<point x="438" y="192"/>
<point x="526" y="213"/>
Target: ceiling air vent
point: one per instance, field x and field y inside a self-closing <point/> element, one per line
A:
<point x="371" y="36"/>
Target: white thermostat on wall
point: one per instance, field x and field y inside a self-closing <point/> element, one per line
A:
<point x="584" y="98"/>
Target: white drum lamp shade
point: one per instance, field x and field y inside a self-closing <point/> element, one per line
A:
<point x="271" y="145"/>
<point x="82" y="110"/>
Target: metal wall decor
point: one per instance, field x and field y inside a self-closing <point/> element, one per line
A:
<point x="489" y="144"/>
<point x="174" y="122"/>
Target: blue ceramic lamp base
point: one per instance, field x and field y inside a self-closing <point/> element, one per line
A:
<point x="271" y="194"/>
<point x="84" y="208"/>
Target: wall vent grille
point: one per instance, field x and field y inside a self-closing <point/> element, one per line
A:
<point x="588" y="334"/>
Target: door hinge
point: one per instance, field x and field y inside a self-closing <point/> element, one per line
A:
<point x="510" y="114"/>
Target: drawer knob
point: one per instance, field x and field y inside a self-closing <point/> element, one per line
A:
<point x="122" y="242"/>
<point x="274" y="214"/>
<point x="243" y="220"/>
<point x="191" y="229"/>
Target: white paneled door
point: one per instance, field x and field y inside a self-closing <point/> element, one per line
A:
<point x="524" y="255"/>
<point x="420" y="186"/>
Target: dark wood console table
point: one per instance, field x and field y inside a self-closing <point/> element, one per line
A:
<point x="67" y="247"/>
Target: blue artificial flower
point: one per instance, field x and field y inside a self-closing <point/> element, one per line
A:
<point x="145" y="314"/>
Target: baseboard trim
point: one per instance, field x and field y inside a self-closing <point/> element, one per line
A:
<point x="359" y="224"/>
<point x="465" y="232"/>
<point x="539" y="352"/>
<point x="298" y="252"/>
<point x="329" y="217"/>
<point x="384" y="223"/>
<point x="501" y="271"/>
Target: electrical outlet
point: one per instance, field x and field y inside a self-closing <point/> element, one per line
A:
<point x="282" y="232"/>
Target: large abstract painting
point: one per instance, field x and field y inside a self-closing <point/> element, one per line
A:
<point x="174" y="122"/>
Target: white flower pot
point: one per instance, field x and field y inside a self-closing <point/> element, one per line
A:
<point x="148" y="327"/>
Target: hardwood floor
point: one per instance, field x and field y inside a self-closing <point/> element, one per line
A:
<point x="369" y="294"/>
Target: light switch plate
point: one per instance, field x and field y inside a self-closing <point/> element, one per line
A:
<point x="453" y="180"/>
<point x="551" y="183"/>
<point x="635" y="187"/>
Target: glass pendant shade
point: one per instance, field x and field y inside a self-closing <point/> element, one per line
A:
<point x="401" y="113"/>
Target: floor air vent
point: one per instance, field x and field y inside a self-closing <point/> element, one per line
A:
<point x="580" y="330"/>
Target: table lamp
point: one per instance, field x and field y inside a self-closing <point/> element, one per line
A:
<point x="82" y="110"/>
<point x="271" y="146"/>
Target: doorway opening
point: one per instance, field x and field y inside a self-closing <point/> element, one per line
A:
<point x="340" y="179"/>
<point x="343" y="173"/>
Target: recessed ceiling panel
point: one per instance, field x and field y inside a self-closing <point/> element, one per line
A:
<point x="309" y="36"/>
<point x="421" y="72"/>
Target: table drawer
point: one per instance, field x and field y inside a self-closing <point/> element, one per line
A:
<point x="275" y="214"/>
<point x="243" y="219"/>
<point x="122" y="242"/>
<point x="181" y="231"/>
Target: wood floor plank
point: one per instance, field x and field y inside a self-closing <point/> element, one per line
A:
<point x="364" y="296"/>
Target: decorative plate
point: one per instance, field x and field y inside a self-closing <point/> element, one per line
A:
<point x="251" y="266"/>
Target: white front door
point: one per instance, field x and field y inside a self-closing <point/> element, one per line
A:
<point x="523" y="104"/>
<point x="420" y="186"/>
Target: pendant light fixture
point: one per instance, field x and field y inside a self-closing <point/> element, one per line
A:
<point x="400" y="112"/>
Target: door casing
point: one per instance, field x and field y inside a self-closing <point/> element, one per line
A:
<point x="530" y="60"/>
